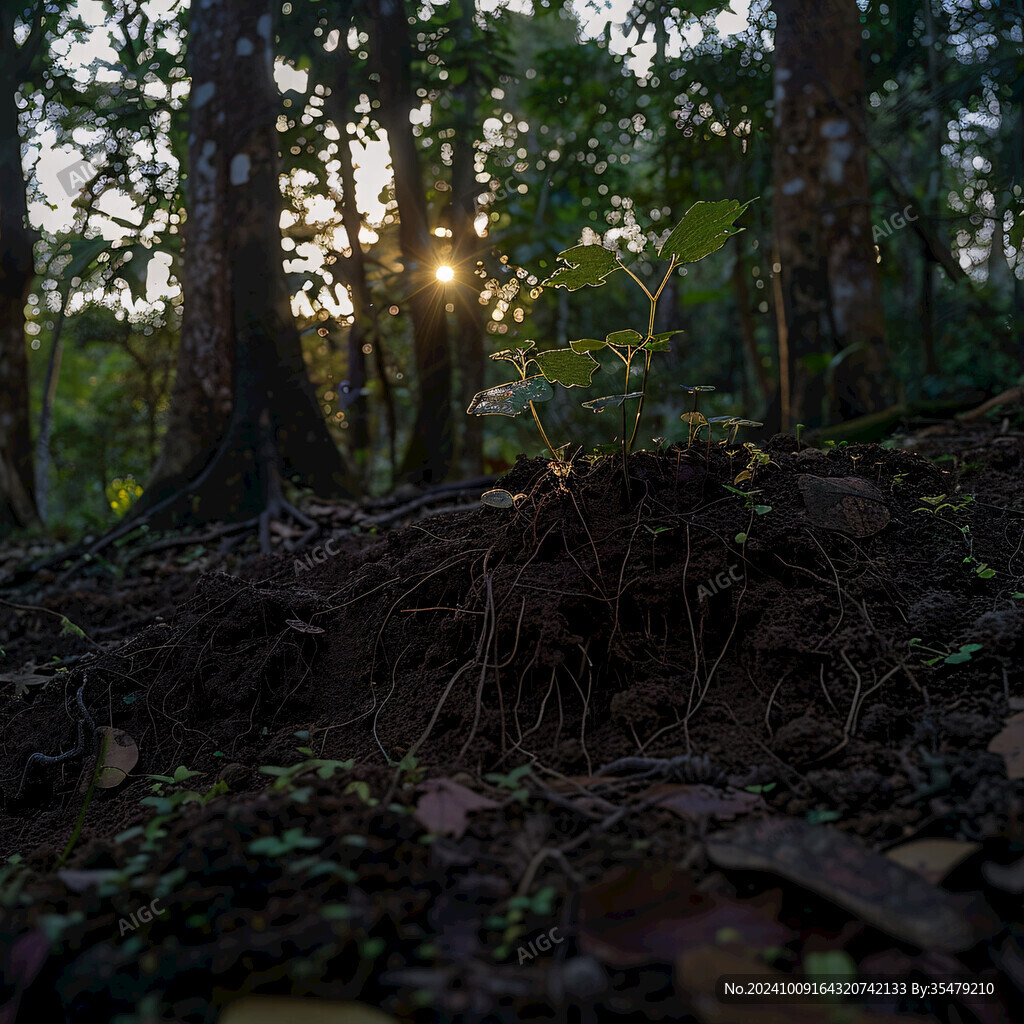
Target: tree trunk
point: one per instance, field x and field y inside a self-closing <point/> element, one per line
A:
<point x="365" y="328"/>
<point x="429" y="452"/>
<point x="822" y="217"/>
<point x="17" y="271"/>
<point x="465" y="249"/>
<point x="201" y="400"/>
<point x="238" y="313"/>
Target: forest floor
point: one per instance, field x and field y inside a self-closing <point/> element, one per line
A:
<point x="576" y="760"/>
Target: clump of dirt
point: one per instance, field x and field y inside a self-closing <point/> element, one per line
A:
<point x="836" y="632"/>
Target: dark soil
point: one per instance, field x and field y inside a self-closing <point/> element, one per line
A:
<point x="682" y="670"/>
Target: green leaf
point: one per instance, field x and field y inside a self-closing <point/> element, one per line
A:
<point x="513" y="398"/>
<point x="1015" y="235"/>
<point x="625" y="339"/>
<point x="818" y="817"/>
<point x="83" y="255"/>
<point x="610" y="402"/>
<point x="68" y="628"/>
<point x="584" y="265"/>
<point x="704" y="229"/>
<point x="607" y="449"/>
<point x="828" y="964"/>
<point x="740" y="538"/>
<point x="971" y="648"/>
<point x="659" y="342"/>
<point x="563" y="366"/>
<point x="587" y="345"/>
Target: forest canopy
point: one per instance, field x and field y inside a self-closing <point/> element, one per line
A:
<point x="430" y="163"/>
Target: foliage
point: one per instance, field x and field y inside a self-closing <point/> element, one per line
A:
<point x="703" y="230"/>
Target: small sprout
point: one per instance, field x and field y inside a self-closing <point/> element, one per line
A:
<point x="696" y="420"/>
<point x="737" y="423"/>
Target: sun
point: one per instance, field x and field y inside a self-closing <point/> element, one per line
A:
<point x="445" y="274"/>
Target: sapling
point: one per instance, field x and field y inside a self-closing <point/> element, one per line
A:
<point x="704" y="229"/>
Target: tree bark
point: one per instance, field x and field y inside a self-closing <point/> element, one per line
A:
<point x="17" y="272"/>
<point x="240" y="314"/>
<point x="829" y="283"/>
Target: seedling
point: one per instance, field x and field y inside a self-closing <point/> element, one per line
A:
<point x="284" y="778"/>
<point x="955" y="658"/>
<point x="704" y="229"/>
<point x="750" y="504"/>
<point x="695" y="418"/>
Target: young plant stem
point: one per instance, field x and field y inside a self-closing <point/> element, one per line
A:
<point x="647" y="353"/>
<point x="100" y="761"/>
<point x="536" y="419"/>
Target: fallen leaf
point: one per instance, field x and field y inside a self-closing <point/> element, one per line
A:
<point x="23" y="680"/>
<point x="279" y="1009"/>
<point x="1010" y="744"/>
<point x="1008" y="877"/>
<point x="119" y="756"/>
<point x="842" y="869"/>
<point x="701" y="801"/>
<point x="641" y="916"/>
<point x="932" y="859"/>
<point x="849" y="504"/>
<point x="445" y="806"/>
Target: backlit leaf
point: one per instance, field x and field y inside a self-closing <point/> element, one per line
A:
<point x="563" y="366"/>
<point x="704" y="229"/>
<point x="626" y="338"/>
<point x="659" y="342"/>
<point x="587" y="345"/>
<point x="512" y="398"/>
<point x="610" y="402"/>
<point x="584" y="265"/>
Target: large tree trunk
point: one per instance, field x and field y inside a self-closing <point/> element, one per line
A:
<point x="201" y="400"/>
<point x="239" y="306"/>
<point x="429" y="452"/>
<point x="17" y="270"/>
<point x="822" y="217"/>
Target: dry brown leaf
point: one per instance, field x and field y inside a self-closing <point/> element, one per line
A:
<point x="842" y="869"/>
<point x="119" y="756"/>
<point x="445" y="806"/>
<point x="701" y="801"/>
<point x="1010" y="744"/>
<point x="932" y="859"/>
